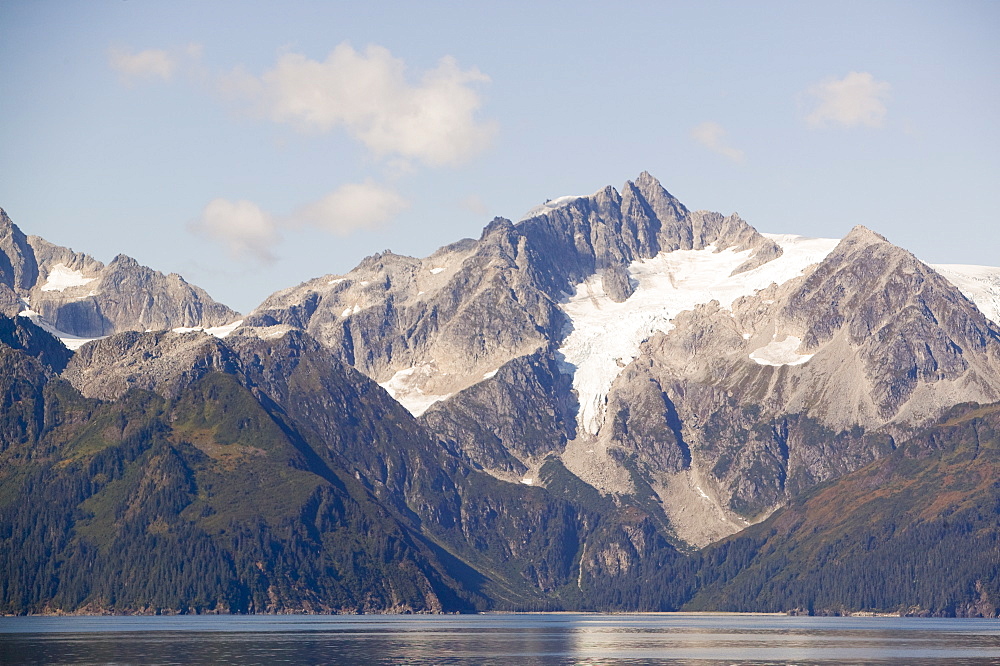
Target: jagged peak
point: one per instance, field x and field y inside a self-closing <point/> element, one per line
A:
<point x="123" y="260"/>
<point x="647" y="180"/>
<point x="8" y="228"/>
<point x="648" y="184"/>
<point x="662" y="202"/>
<point x="607" y="194"/>
<point x="861" y="234"/>
<point x="499" y="224"/>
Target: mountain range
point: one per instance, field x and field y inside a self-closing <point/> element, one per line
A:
<point x="613" y="403"/>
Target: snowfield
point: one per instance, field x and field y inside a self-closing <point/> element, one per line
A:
<point x="980" y="284"/>
<point x="61" y="277"/>
<point x="70" y="341"/>
<point x="217" y="331"/>
<point x="605" y="336"/>
<point x="404" y="388"/>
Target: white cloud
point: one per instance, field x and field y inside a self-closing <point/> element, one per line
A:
<point x="251" y="233"/>
<point x="713" y="136"/>
<point x="242" y="226"/>
<point x="148" y="64"/>
<point x="367" y="93"/>
<point x="857" y="99"/>
<point x="353" y="207"/>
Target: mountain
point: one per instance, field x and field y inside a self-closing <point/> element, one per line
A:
<point x="624" y="335"/>
<point x="613" y="404"/>
<point x="79" y="298"/>
<point x="915" y="532"/>
<point x="444" y="322"/>
<point x="189" y="473"/>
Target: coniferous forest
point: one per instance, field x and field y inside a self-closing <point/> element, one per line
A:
<point x="226" y="497"/>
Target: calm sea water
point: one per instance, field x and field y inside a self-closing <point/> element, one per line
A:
<point x="509" y="640"/>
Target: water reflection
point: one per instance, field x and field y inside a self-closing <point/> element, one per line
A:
<point x="498" y="639"/>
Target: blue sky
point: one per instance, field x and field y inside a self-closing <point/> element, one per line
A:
<point x="251" y="146"/>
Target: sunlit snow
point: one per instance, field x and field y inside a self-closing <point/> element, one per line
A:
<point x="605" y="335"/>
<point x="550" y="205"/>
<point x="217" y="331"/>
<point x="436" y="270"/>
<point x="780" y="353"/>
<point x="62" y="276"/>
<point x="70" y="341"/>
<point x="980" y="284"/>
<point x="403" y="387"/>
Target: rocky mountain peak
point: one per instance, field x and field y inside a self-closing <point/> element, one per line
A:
<point x="663" y="204"/>
<point x="862" y="235"/>
<point x="496" y="225"/>
<point x="607" y="197"/>
<point x="18" y="268"/>
<point x="76" y="297"/>
<point x="162" y="362"/>
<point x="124" y="261"/>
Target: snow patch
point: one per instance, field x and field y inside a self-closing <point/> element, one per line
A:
<point x="355" y="309"/>
<point x="337" y="280"/>
<point x="71" y="341"/>
<point x="491" y="374"/>
<point x="605" y="336"/>
<point x="224" y="330"/>
<point x="980" y="284"/>
<point x="61" y="277"/>
<point x="217" y="331"/>
<point x="780" y="353"/>
<point x="436" y="270"/>
<point x="527" y="481"/>
<point x="404" y="388"/>
<point x="550" y="205"/>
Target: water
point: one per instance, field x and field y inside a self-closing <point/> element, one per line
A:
<point x="509" y="640"/>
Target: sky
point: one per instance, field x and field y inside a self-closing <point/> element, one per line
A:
<point x="251" y="146"/>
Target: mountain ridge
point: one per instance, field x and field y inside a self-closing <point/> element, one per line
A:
<point x="582" y="410"/>
<point x="79" y="298"/>
<point x="569" y="279"/>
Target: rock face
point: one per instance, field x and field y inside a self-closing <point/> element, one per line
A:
<point x="535" y="388"/>
<point x="751" y="404"/>
<point x="928" y="508"/>
<point x="550" y="417"/>
<point x="642" y="344"/>
<point x="252" y="475"/>
<point x="78" y="296"/>
<point x="428" y="329"/>
<point x="285" y="406"/>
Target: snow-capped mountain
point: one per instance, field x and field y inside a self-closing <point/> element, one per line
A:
<point x="642" y="343"/>
<point x="569" y="412"/>
<point x="77" y="298"/>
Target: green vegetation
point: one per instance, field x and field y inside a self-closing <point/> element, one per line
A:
<point x="299" y="486"/>
<point x="914" y="532"/>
